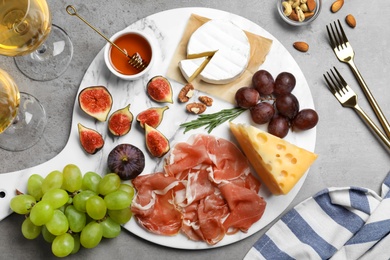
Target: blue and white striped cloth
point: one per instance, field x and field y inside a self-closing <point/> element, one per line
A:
<point x="336" y="223"/>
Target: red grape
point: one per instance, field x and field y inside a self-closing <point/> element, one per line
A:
<point x="305" y="119"/>
<point x="284" y="83"/>
<point x="263" y="82"/>
<point x="247" y="97"/>
<point x="262" y="112"/>
<point x="279" y="126"/>
<point x="287" y="105"/>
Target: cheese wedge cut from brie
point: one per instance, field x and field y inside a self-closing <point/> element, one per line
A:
<point x="278" y="163"/>
<point x="227" y="47"/>
<point x="190" y="68"/>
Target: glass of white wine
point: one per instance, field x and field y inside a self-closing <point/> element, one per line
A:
<point x="22" y="118"/>
<point x="42" y="51"/>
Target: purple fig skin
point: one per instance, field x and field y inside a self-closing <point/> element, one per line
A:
<point x="126" y="160"/>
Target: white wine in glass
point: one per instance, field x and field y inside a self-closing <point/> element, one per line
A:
<point x="42" y="51"/>
<point x="22" y="118"/>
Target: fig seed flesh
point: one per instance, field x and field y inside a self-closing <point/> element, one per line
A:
<point x="156" y="142"/>
<point x="120" y="121"/>
<point x="90" y="139"/>
<point x="96" y="101"/>
<point x="151" y="116"/>
<point x="160" y="90"/>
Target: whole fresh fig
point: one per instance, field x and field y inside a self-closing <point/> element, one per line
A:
<point x="126" y="160"/>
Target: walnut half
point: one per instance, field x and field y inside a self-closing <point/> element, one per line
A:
<point x="186" y="93"/>
<point x="208" y="101"/>
<point x="196" y="108"/>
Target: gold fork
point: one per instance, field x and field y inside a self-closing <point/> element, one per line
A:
<point x="348" y="98"/>
<point x="345" y="53"/>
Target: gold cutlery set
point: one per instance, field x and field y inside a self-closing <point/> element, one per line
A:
<point x="340" y="89"/>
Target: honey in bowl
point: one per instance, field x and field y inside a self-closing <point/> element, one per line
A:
<point x="131" y="43"/>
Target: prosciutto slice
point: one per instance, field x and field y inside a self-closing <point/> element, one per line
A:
<point x="205" y="191"/>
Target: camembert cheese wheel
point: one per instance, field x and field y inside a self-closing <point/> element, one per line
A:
<point x="278" y="163"/>
<point x="225" y="44"/>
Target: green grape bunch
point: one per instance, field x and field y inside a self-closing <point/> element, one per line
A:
<point x="71" y="210"/>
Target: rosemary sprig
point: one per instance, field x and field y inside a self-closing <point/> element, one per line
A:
<point x="211" y="121"/>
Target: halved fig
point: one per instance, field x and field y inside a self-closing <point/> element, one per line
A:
<point x="126" y="160"/>
<point x="90" y="139"/>
<point x="156" y="142"/>
<point x="151" y="116"/>
<point x="96" y="101"/>
<point x="120" y="121"/>
<point x="159" y="89"/>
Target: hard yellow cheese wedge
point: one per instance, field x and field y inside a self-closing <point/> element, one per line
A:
<point x="279" y="163"/>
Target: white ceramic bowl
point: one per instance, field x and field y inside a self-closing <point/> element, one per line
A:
<point x="307" y="21"/>
<point x="107" y="56"/>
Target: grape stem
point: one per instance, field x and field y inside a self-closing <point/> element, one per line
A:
<point x="211" y="121"/>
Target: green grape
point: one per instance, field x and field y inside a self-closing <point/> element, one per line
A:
<point x="76" y="247"/>
<point x="118" y="199"/>
<point x="121" y="216"/>
<point x="109" y="183"/>
<point x="22" y="203"/>
<point x="58" y="224"/>
<point x="81" y="198"/>
<point x="128" y="188"/>
<point x="96" y="207"/>
<point x="63" y="245"/>
<point x="41" y="213"/>
<point x="34" y="186"/>
<point x="111" y="228"/>
<point x="62" y="208"/>
<point x="91" y="181"/>
<point x="76" y="219"/>
<point x="72" y="178"/>
<point x="91" y="235"/>
<point x="47" y="236"/>
<point x="52" y="180"/>
<point x="56" y="197"/>
<point x="29" y="230"/>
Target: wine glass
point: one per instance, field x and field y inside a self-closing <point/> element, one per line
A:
<point x="42" y="51"/>
<point x="22" y="118"/>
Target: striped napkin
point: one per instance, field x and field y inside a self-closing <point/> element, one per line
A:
<point x="336" y="223"/>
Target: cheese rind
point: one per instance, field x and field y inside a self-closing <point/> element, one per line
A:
<point x="229" y="46"/>
<point x="279" y="164"/>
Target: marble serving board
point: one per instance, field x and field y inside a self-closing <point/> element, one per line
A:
<point x="166" y="29"/>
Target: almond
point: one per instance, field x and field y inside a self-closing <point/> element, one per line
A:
<point x="301" y="46"/>
<point x="294" y="16"/>
<point x="350" y="20"/>
<point x="336" y="6"/>
<point x="311" y="5"/>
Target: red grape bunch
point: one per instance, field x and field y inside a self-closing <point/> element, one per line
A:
<point x="271" y="101"/>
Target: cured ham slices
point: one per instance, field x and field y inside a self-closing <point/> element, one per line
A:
<point x="205" y="191"/>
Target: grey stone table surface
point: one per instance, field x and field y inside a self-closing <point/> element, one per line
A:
<point x="349" y="154"/>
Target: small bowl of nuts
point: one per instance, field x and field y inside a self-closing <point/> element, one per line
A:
<point x="299" y="12"/>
